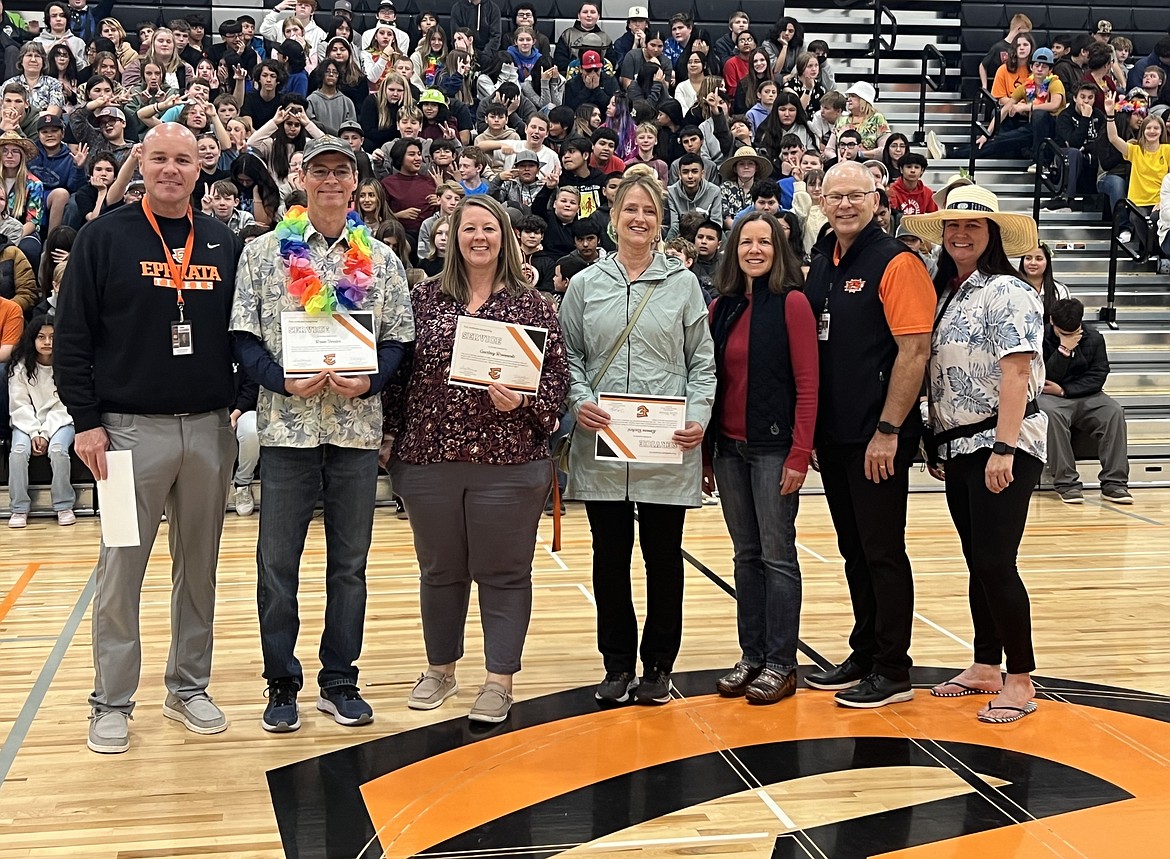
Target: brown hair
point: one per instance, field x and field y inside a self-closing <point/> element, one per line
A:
<point x="453" y="282"/>
<point x="785" y="274"/>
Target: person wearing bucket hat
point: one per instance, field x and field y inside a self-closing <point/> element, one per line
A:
<point x="988" y="435"/>
<point x="862" y="117"/>
<point x="875" y="304"/>
<point x="740" y="172"/>
<point x="317" y="429"/>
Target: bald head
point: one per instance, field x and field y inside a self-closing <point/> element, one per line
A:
<point x="170" y="168"/>
<point x="850" y="170"/>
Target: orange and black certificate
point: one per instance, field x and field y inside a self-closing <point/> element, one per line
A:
<point x="342" y="343"/>
<point x="489" y="351"/>
<point x="641" y="428"/>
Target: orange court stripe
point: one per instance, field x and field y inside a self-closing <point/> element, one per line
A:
<point x="519" y="338"/>
<point x="617" y="442"/>
<point x="13" y="595"/>
<point x="355" y="330"/>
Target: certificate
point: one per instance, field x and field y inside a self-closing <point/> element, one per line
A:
<point x="342" y="343"/>
<point x="488" y="351"/>
<point x="640" y="428"/>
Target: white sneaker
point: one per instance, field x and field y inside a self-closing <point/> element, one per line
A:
<point x="66" y="517"/>
<point x="1125" y="237"/>
<point x="243" y="501"/>
<point x="18" y="520"/>
<point x="1031" y="171"/>
<point x="935" y="147"/>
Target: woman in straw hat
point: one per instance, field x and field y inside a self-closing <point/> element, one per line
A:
<point x="740" y="172"/>
<point x="989" y="436"/>
<point x="25" y="193"/>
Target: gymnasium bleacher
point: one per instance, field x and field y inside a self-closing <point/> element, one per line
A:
<point x="960" y="31"/>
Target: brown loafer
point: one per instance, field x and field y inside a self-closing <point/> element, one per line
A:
<point x="771" y="686"/>
<point x="733" y="683"/>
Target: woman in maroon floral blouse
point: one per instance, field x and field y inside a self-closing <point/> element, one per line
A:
<point x="472" y="466"/>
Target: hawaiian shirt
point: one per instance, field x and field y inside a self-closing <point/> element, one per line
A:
<point x="261" y="296"/>
<point x="34" y="202"/>
<point x="990" y="317"/>
<point x="47" y="93"/>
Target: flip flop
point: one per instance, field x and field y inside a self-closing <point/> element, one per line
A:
<point x="1020" y="712"/>
<point x="966" y="690"/>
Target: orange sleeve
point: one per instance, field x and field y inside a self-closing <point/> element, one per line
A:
<point x="999" y="86"/>
<point x="908" y="296"/>
<point x="12" y="324"/>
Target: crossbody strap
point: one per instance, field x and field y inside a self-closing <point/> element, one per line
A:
<point x="623" y="337"/>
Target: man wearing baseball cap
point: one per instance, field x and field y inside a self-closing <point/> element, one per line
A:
<point x="320" y="434"/>
<point x="637" y="22"/>
<point x="55" y="165"/>
<point x="110" y="131"/>
<point x="387" y="16"/>
<point x="592" y="86"/>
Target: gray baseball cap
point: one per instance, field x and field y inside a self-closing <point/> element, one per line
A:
<point x="525" y="157"/>
<point x="328" y="143"/>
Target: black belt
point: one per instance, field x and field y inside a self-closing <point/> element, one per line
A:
<point x="932" y="441"/>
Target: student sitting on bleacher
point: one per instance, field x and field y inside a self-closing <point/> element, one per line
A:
<point x="1001" y="51"/>
<point x="1076" y="366"/>
<point x="40" y="424"/>
<point x="1077" y="131"/>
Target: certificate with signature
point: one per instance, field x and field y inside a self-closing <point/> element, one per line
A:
<point x="488" y="351"/>
<point x="342" y="343"/>
<point x="641" y="428"/>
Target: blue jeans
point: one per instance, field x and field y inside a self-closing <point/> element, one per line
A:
<point x="762" y="524"/>
<point x="291" y="480"/>
<point x="1115" y="187"/>
<point x="62" y="491"/>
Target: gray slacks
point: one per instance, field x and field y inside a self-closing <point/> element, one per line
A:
<point x="474" y="522"/>
<point x="1097" y="414"/>
<point x="182" y="466"/>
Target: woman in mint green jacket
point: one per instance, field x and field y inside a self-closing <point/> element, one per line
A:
<point x="669" y="352"/>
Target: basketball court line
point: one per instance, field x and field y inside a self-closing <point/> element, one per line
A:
<point x="36" y="697"/>
<point x="1113" y="508"/>
<point x="17" y="589"/>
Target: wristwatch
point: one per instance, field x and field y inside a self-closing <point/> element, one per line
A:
<point x="1002" y="448"/>
<point x="887" y="428"/>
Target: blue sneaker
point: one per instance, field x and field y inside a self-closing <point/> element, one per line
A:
<point x="281" y="715"/>
<point x="346" y="706"/>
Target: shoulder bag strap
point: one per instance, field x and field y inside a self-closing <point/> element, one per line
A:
<point x="623" y="337"/>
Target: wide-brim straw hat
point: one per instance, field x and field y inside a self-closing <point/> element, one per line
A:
<point x="1017" y="232"/>
<point x="15" y="138"/>
<point x="746" y="153"/>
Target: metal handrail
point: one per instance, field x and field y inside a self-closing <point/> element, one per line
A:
<point x="878" y="42"/>
<point x="982" y="99"/>
<point x="1052" y="180"/>
<point x="1108" y="313"/>
<point x="928" y="52"/>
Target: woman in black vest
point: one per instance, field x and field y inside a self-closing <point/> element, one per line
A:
<point x="761" y="436"/>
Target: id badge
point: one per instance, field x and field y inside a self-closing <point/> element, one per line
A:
<point x="181" y="343"/>
<point x="823" y="326"/>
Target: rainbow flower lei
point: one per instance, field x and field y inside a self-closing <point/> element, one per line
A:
<point x="305" y="285"/>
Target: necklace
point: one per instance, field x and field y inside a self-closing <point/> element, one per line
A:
<point x="305" y="284"/>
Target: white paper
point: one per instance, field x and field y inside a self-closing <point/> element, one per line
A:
<point x="118" y="501"/>
<point x="641" y="427"/>
<point x="487" y="351"/>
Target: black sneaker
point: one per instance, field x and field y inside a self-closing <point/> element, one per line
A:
<point x="875" y="691"/>
<point x="399" y="509"/>
<point x="844" y="676"/>
<point x="346" y="706"/>
<point x="654" y="687"/>
<point x="616" y="687"/>
<point x="281" y="715"/>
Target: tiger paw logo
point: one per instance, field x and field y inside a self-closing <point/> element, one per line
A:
<point x="330" y="359"/>
<point x="855" y="285"/>
<point x="643" y="411"/>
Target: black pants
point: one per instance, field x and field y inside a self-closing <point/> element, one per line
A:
<point x="870" y="520"/>
<point x="660" y="528"/>
<point x="990" y="528"/>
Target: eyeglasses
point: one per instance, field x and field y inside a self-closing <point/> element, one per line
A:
<point x="855" y="198"/>
<point x="323" y="173"/>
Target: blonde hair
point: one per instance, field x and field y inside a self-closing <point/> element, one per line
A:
<point x="152" y="57"/>
<point x="289" y="21"/>
<point x="645" y="128"/>
<point x="384" y="104"/>
<point x="509" y="266"/>
<point x="59" y="271"/>
<point x="442" y="222"/>
<point x="643" y="177"/>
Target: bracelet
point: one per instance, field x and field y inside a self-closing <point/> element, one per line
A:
<point x="1110" y="115"/>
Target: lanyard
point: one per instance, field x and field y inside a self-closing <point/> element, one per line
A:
<point x="178" y="275"/>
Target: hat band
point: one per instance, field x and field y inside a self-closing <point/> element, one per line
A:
<point x="969" y="206"/>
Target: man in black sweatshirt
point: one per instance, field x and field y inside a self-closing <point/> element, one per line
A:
<point x="143" y="362"/>
<point x="1076" y="366"/>
<point x="1077" y="130"/>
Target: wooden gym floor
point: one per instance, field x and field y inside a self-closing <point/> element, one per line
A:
<point x="1087" y="775"/>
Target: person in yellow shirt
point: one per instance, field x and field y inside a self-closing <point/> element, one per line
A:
<point x="1148" y="154"/>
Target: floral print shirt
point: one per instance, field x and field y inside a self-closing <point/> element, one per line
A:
<point x="433" y="421"/>
<point x="871" y="129"/>
<point x="34" y="202"/>
<point x="735" y="197"/>
<point x="990" y="317"/>
<point x="261" y="296"/>
<point x="47" y="93"/>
